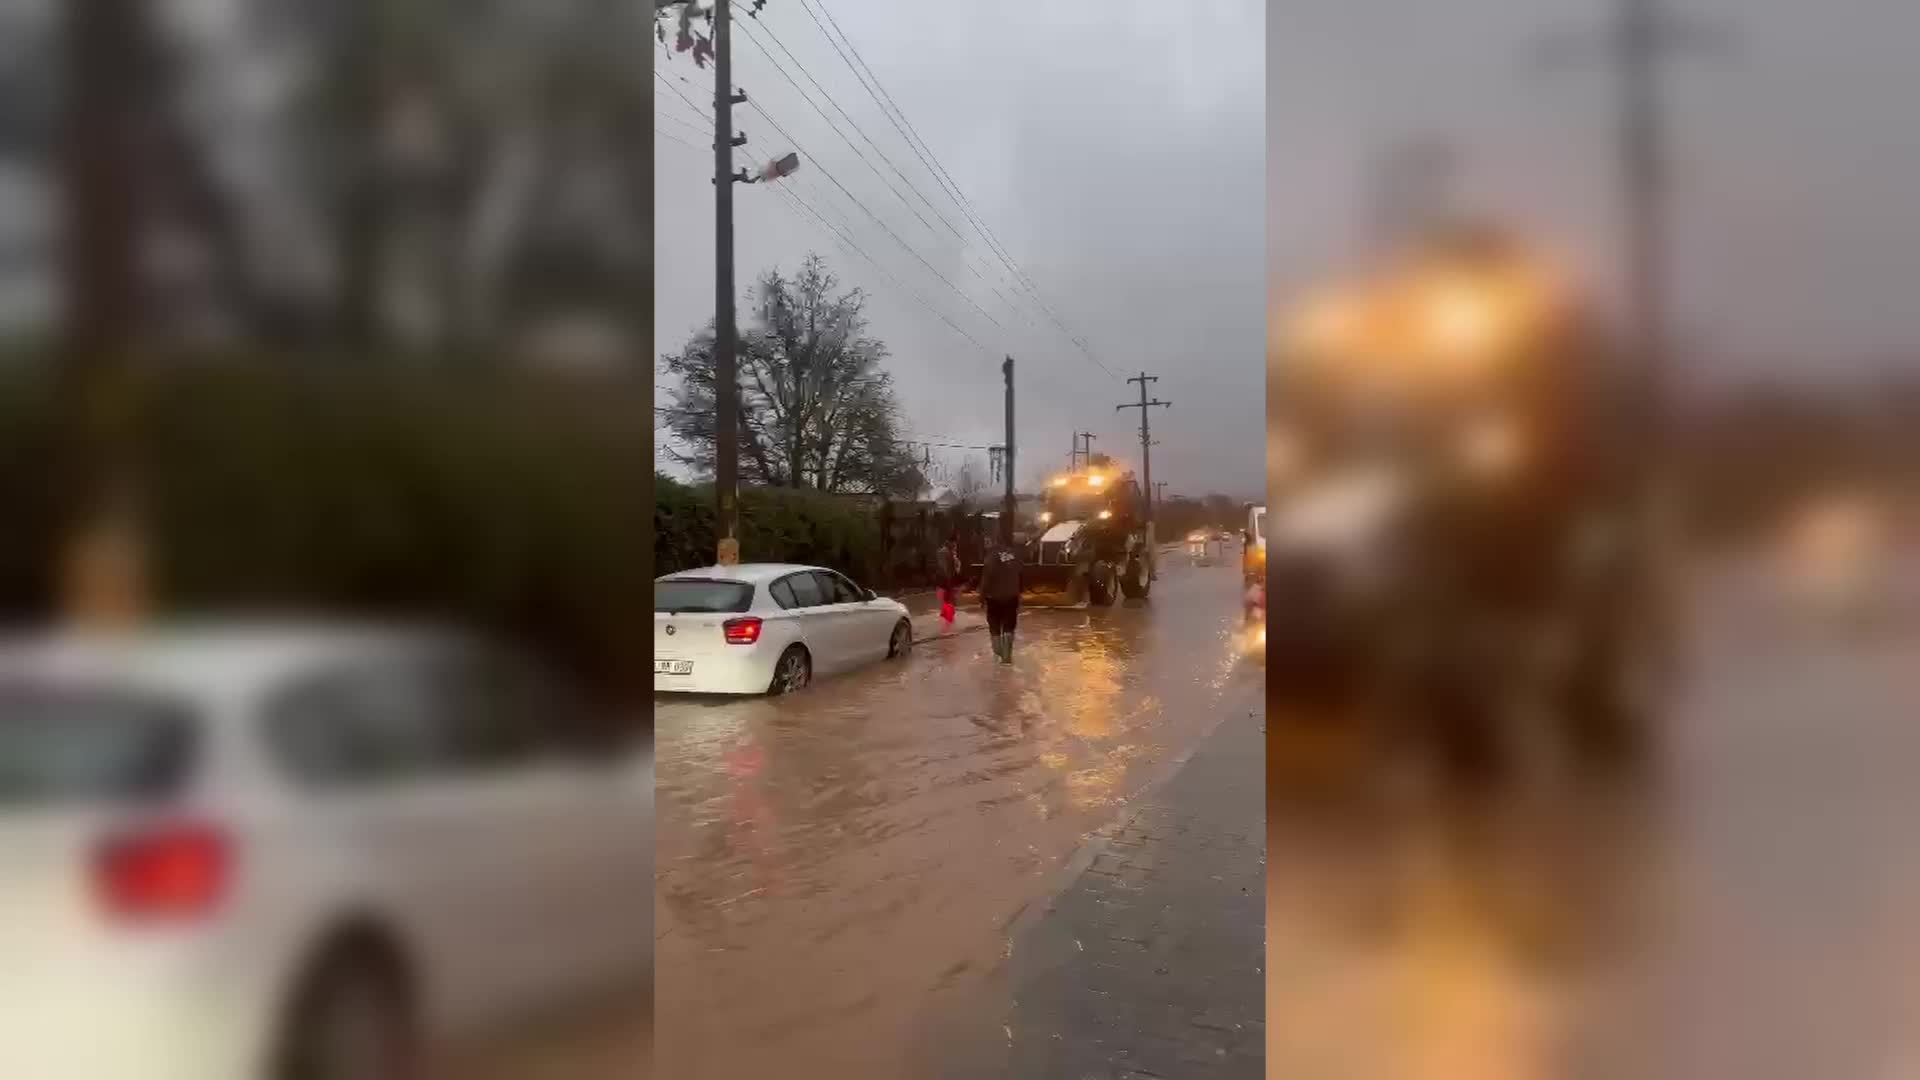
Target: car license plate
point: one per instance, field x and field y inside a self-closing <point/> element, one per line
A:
<point x="673" y="667"/>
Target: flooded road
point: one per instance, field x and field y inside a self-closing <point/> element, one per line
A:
<point x="1748" y="910"/>
<point x="838" y="871"/>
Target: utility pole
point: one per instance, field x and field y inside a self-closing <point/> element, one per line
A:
<point x="1146" y="445"/>
<point x="1411" y="181"/>
<point x="726" y="378"/>
<point x="104" y="573"/>
<point x="726" y="333"/>
<point x="1008" y="504"/>
<point x="1083" y="446"/>
<point x="1644" y="35"/>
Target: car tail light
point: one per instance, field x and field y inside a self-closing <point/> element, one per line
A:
<point x="178" y="871"/>
<point x="742" y="631"/>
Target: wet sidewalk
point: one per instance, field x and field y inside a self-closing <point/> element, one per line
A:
<point x="1150" y="964"/>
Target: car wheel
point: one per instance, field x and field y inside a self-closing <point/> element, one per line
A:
<point x="902" y="641"/>
<point x="793" y="672"/>
<point x="351" y="1020"/>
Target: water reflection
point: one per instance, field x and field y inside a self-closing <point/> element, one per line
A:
<point x="1458" y="934"/>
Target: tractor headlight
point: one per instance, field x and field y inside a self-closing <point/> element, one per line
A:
<point x="1105" y="514"/>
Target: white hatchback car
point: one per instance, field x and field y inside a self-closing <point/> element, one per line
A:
<point x="768" y="628"/>
<point x="302" y="853"/>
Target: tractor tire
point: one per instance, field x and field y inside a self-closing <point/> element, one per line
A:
<point x="1100" y="591"/>
<point x="1137" y="581"/>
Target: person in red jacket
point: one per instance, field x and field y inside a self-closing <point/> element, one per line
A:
<point x="948" y="572"/>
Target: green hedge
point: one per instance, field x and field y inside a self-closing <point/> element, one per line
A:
<point x="776" y="525"/>
<point x="509" y="503"/>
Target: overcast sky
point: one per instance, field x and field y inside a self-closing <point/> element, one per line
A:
<point x="1797" y="160"/>
<point x="1115" y="147"/>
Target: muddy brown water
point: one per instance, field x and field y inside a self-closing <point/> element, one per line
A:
<point x="838" y="871"/>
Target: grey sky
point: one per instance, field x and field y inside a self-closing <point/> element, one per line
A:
<point x="1113" y="146"/>
<point x="1798" y="161"/>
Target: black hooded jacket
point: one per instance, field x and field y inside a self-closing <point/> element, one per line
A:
<point x="1000" y="576"/>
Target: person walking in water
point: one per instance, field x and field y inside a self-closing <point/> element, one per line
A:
<point x="948" y="569"/>
<point x="1000" y="589"/>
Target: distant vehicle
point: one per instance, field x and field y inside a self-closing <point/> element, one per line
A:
<point x="237" y="853"/>
<point x="1198" y="542"/>
<point x="1253" y="551"/>
<point x="768" y="628"/>
<point x="1253" y="564"/>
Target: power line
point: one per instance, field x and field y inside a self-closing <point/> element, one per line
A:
<point x="696" y="129"/>
<point x="851" y="122"/>
<point x="754" y="37"/>
<point x="1019" y="279"/>
<point x="864" y="159"/>
<point x="824" y="171"/>
<point x="670" y="137"/>
<point x="877" y="93"/>
<point x="917" y="441"/>
<point x="952" y="188"/>
<point x="854" y="248"/>
<point x="891" y="109"/>
<point x="677" y="92"/>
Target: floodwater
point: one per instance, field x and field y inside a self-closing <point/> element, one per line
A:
<point x="838" y="870"/>
<point x="1750" y="909"/>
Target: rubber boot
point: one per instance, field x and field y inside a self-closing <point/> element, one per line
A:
<point x="1006" y="656"/>
<point x="996" y="645"/>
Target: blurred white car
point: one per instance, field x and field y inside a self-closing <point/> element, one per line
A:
<point x="301" y="853"/>
<point x="768" y="628"/>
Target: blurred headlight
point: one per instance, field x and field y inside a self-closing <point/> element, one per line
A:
<point x="1284" y="453"/>
<point x="1462" y="321"/>
<point x="1491" y="447"/>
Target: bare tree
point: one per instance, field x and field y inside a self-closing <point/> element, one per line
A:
<point x="816" y="409"/>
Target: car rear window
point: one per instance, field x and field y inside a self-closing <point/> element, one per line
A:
<point x="679" y="595"/>
<point x="67" y="746"/>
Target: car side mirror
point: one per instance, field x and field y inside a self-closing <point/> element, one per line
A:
<point x="871" y="595"/>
